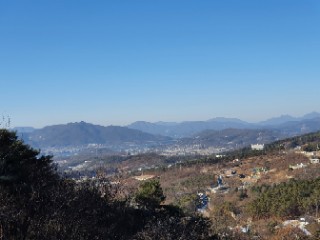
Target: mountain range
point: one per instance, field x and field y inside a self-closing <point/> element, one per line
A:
<point x="307" y="123"/>
<point x="212" y="132"/>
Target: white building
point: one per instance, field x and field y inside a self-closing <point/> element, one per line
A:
<point x="257" y="146"/>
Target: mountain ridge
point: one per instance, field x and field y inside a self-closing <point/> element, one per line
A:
<point x="189" y="128"/>
<point x="82" y="133"/>
<point x="141" y="132"/>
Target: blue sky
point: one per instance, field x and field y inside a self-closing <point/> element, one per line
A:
<point x="115" y="62"/>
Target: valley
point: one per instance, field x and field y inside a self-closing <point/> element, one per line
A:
<point x="222" y="175"/>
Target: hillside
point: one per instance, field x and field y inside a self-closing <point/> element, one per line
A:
<point x="233" y="138"/>
<point x="76" y="134"/>
<point x="271" y="176"/>
<point x="299" y="127"/>
<point x="261" y="190"/>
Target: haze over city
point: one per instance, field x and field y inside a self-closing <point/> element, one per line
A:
<point x="116" y="62"/>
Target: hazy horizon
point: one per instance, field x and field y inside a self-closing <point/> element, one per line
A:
<point x="117" y="62"/>
<point x="8" y="118"/>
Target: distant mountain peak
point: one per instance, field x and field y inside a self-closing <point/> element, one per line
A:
<point x="311" y="115"/>
<point x="278" y="120"/>
<point x="81" y="133"/>
<point x="166" y="123"/>
<point x="288" y="118"/>
<point x="224" y="119"/>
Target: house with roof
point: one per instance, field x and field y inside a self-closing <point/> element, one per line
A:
<point x="314" y="160"/>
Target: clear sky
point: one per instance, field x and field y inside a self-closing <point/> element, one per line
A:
<point x="116" y="62"/>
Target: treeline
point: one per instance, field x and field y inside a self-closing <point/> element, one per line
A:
<point x="288" y="199"/>
<point x="312" y="139"/>
<point x="37" y="203"/>
<point x="310" y="142"/>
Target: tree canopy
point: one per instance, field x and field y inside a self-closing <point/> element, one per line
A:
<point x="37" y="203"/>
<point x="150" y="194"/>
<point x="20" y="164"/>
